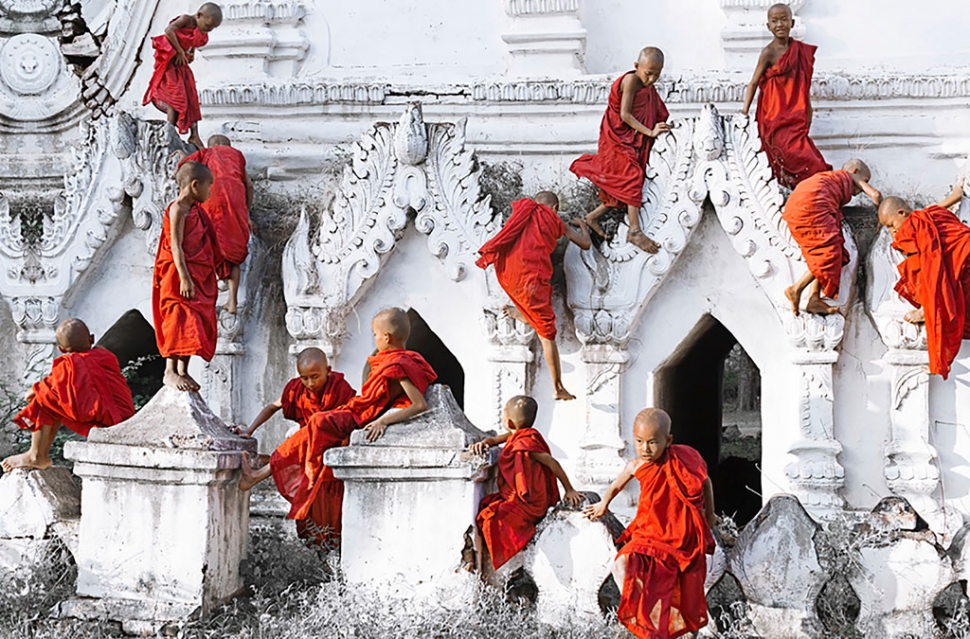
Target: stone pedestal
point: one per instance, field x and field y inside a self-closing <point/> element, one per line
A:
<point x="409" y="498"/>
<point x="36" y="508"/>
<point x="165" y="524"/>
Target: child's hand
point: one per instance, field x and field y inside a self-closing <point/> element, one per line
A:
<point x="181" y="59"/>
<point x="573" y="499"/>
<point x="662" y="127"/>
<point x="253" y="229"/>
<point x="30" y="395"/>
<point x="593" y="512"/>
<point x="375" y="430"/>
<point x="480" y="448"/>
<point x="187" y="287"/>
<point x="579" y="221"/>
<point x="245" y="433"/>
<point x="190" y="55"/>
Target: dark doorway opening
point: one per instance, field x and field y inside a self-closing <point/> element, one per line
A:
<point x="712" y="391"/>
<point x="132" y="340"/>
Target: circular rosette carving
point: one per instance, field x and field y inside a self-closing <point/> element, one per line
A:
<point x="29" y="63"/>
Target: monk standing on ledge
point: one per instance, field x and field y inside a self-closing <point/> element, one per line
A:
<point x="814" y="216"/>
<point x="935" y="276"/>
<point x="784" y="77"/>
<point x="635" y="116"/>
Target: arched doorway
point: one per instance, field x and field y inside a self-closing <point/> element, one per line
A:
<point x="132" y="340"/>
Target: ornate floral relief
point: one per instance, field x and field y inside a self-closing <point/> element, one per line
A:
<point x="885" y="306"/>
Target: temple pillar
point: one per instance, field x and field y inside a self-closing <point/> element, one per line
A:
<point x="602" y="445"/>
<point x="512" y="358"/>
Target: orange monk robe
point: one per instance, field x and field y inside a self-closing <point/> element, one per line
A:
<point x="526" y="490"/>
<point x="620" y="164"/>
<point x="297" y="464"/>
<point x="936" y="276"/>
<point x="666" y="543"/>
<point x="226" y="206"/>
<point x="783" y="102"/>
<point x="521" y="252"/>
<point x="174" y="86"/>
<point x="322" y="526"/>
<point x="814" y="216"/>
<point x="186" y="326"/>
<point x="84" y="391"/>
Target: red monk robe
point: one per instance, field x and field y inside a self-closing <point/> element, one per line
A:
<point x="521" y="253"/>
<point x="186" y="326"/>
<point x="175" y="85"/>
<point x="322" y="525"/>
<point x="814" y="216"/>
<point x="226" y="206"/>
<point x="84" y="391"/>
<point x="666" y="545"/>
<point x="783" y="103"/>
<point x="620" y="164"/>
<point x="526" y="491"/>
<point x="936" y="276"/>
<point x="297" y="464"/>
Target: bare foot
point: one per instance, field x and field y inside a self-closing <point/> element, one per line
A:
<point x="186" y="383"/>
<point x="818" y="307"/>
<point x="595" y="226"/>
<point x="25" y="460"/>
<point x="171" y="378"/>
<point x="793" y="298"/>
<point x="562" y="393"/>
<point x="915" y="317"/>
<point x="640" y="240"/>
<point x="230" y="307"/>
<point x="247" y="479"/>
<point x="510" y="311"/>
<point x="196" y="141"/>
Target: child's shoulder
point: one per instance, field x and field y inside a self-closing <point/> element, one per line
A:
<point x="689" y="457"/>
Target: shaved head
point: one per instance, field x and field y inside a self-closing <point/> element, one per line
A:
<point x="651" y="54"/>
<point x="190" y="172"/>
<point x="73" y="336"/>
<point x="310" y="356"/>
<point x="548" y="198"/>
<point x="654" y="420"/>
<point x="521" y="411"/>
<point x="394" y="321"/>
<point x="858" y="167"/>
<point x="892" y="211"/>
<point x="211" y="9"/>
<point x="780" y="6"/>
<point x="219" y="140"/>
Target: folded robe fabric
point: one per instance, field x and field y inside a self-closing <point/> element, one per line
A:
<point x="297" y="464"/>
<point x="183" y="326"/>
<point x="814" y="216"/>
<point x="666" y="543"/>
<point x="935" y="275"/>
<point x="521" y="253"/>
<point x="174" y="86"/>
<point x="526" y="490"/>
<point x="783" y="102"/>
<point x="620" y="164"/>
<point x="226" y="206"/>
<point x="323" y="524"/>
<point x="83" y="391"/>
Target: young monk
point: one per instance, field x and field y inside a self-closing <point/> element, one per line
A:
<point x="397" y="379"/>
<point x="784" y="76"/>
<point x="935" y="276"/>
<point x="635" y="116"/>
<point x="521" y="253"/>
<point x="172" y="87"/>
<point x="814" y="216"/>
<point x="228" y="208"/>
<point x="527" y="475"/>
<point x="185" y="290"/>
<point x="85" y="390"/>
<point x="662" y="566"/>
<point x="317" y="389"/>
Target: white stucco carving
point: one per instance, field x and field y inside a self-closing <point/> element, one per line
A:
<point x="259" y="39"/>
<point x="545" y="37"/>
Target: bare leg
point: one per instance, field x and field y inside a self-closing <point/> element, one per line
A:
<point x="250" y="477"/>
<point x="232" y="302"/>
<point x="171" y="377"/>
<point x="618" y="569"/>
<point x="186" y="383"/>
<point x="592" y="220"/>
<point x="551" y="352"/>
<point x="479" y="553"/>
<point x="510" y="311"/>
<point x="816" y="305"/>
<point x="794" y="292"/>
<point x="636" y="236"/>
<point x="38" y="456"/>
<point x="915" y="317"/>
<point x="172" y="116"/>
<point x="194" y="138"/>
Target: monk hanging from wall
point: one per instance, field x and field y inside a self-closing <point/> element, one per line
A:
<point x="397" y="380"/>
<point x="85" y="390"/>
<point x="172" y="87"/>
<point x="935" y="276"/>
<point x="784" y="78"/>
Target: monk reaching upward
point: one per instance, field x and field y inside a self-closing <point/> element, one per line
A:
<point x="935" y="276"/>
<point x="397" y="380"/>
<point x="184" y="290"/>
<point x="521" y="253"/>
<point x="661" y="566"/>
<point x="814" y="216"/>
<point x="84" y="390"/>
<point x="635" y="116"/>
<point x="784" y="78"/>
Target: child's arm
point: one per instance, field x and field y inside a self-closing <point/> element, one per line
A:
<point x="268" y="411"/>
<point x="572" y="498"/>
<point x="597" y="510"/>
<point x="182" y="22"/>
<point x="759" y="71"/>
<point x="709" y="503"/>
<point x="177" y="221"/>
<point x="418" y="405"/>
<point x="249" y="204"/>
<point x="482" y="447"/>
<point x="626" y="109"/>
<point x="869" y="190"/>
<point x="580" y="239"/>
<point x="954" y="197"/>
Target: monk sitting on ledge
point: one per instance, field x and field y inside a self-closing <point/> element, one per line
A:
<point x="397" y="379"/>
<point x="814" y="216"/>
<point x="85" y="390"/>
